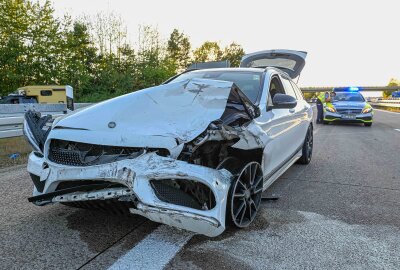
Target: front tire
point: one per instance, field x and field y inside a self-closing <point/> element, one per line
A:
<point x="244" y="196"/>
<point x="307" y="147"/>
<point x="367" y="124"/>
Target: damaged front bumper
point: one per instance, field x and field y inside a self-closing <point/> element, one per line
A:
<point x="136" y="180"/>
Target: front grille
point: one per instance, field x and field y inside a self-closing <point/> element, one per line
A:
<point x="83" y="154"/>
<point x="348" y="111"/>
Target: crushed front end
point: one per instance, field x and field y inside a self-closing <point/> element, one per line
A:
<point x="166" y="169"/>
<point x="162" y="189"/>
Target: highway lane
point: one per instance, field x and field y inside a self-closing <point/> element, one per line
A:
<point x="341" y="211"/>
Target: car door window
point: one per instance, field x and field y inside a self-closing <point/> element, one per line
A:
<point x="275" y="87"/>
<point x="288" y="88"/>
<point x="297" y="90"/>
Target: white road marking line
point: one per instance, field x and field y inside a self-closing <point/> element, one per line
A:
<point x="155" y="251"/>
<point x="386" y="111"/>
<point x="397" y="129"/>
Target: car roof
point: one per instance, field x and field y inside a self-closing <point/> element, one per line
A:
<point x="241" y="69"/>
<point x="258" y="70"/>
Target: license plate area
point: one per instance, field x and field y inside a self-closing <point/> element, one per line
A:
<point x="349" y="116"/>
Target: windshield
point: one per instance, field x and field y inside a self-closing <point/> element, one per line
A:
<point x="248" y="81"/>
<point x="348" y="96"/>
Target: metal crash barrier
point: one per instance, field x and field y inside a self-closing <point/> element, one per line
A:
<point x="12" y="115"/>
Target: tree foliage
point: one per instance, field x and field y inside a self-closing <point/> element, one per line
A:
<point x="392" y="82"/>
<point x="234" y="53"/>
<point x="93" y="55"/>
<point x="208" y="51"/>
<point x="178" y="49"/>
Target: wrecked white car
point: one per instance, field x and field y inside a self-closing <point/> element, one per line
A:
<point x="195" y="153"/>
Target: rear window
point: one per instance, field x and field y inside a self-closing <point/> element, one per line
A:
<point x="249" y="82"/>
<point x="274" y="62"/>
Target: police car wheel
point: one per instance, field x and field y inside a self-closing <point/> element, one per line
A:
<point x="307" y="147"/>
<point x="367" y="124"/>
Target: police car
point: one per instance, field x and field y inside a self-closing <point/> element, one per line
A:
<point x="348" y="105"/>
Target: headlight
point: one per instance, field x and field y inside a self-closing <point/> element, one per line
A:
<point x="367" y="110"/>
<point x="330" y="109"/>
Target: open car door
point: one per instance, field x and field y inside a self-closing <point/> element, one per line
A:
<point x="291" y="62"/>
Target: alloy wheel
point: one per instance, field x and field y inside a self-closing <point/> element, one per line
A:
<point x="245" y="196"/>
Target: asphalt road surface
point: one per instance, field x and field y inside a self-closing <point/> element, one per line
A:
<point x="340" y="212"/>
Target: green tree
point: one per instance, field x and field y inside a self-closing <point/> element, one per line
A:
<point x="208" y="51"/>
<point x="392" y="82"/>
<point x="14" y="24"/>
<point x="79" y="59"/>
<point x="30" y="44"/>
<point x="152" y="63"/>
<point x="92" y="55"/>
<point x="178" y="49"/>
<point x="44" y="44"/>
<point x="234" y="53"/>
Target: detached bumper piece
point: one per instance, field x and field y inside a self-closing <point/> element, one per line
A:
<point x="165" y="190"/>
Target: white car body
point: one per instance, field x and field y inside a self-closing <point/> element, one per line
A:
<point x="157" y="127"/>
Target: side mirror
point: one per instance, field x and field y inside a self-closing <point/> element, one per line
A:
<point x="282" y="101"/>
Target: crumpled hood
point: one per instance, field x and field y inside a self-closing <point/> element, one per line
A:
<point x="349" y="104"/>
<point x="179" y="111"/>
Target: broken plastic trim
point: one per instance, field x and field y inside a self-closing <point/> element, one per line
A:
<point x="36" y="181"/>
<point x="239" y="108"/>
<point x="184" y="192"/>
<point x="88" y="187"/>
<point x="35" y="130"/>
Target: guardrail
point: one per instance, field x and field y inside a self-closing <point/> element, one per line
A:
<point x="392" y="103"/>
<point x="12" y="115"/>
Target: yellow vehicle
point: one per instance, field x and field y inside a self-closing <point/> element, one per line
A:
<point x="49" y="94"/>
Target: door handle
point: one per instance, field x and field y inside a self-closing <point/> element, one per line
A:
<point x="291" y="110"/>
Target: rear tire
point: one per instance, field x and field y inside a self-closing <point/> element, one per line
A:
<point x="307" y="147"/>
<point x="367" y="124"/>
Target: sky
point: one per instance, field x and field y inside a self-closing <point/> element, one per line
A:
<point x="349" y="42"/>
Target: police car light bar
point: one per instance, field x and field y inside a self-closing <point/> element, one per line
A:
<point x="353" y="88"/>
